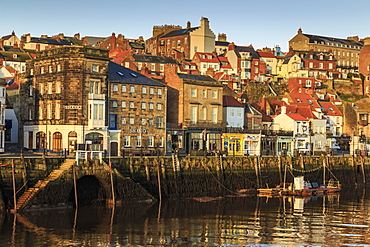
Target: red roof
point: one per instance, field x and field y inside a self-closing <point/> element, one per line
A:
<point x="296" y="116"/>
<point x="304" y="98"/>
<point x="266" y="54"/>
<point x="228" y="100"/>
<point x="14" y="85"/>
<point x="330" y="109"/>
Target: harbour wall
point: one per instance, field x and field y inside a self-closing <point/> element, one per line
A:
<point x="187" y="176"/>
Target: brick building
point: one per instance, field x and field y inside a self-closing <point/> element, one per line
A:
<point x="64" y="100"/>
<point x="194" y="112"/>
<point x="364" y="64"/>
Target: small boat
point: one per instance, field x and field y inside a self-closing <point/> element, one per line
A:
<point x="301" y="188"/>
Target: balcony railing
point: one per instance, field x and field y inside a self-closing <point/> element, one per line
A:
<point x="95" y="96"/>
<point x="96" y="124"/>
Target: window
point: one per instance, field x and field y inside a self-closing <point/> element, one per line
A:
<point x="330" y="66"/>
<point x="159" y="91"/>
<point x="204" y="113"/>
<point x="50" y="69"/>
<point x="308" y="83"/>
<point x="123" y="120"/>
<point x="214" y="115"/>
<point x="126" y="141"/>
<point x="310" y="65"/>
<point x="160" y="122"/>
<point x="186" y="40"/>
<point x="57" y="110"/>
<point x="132" y="89"/>
<point x="95" y="68"/>
<point x="95" y="87"/>
<point x="123" y="89"/>
<point x="114" y="103"/>
<point x="131" y="120"/>
<point x="151" y="122"/>
<point x="150" y="141"/>
<point x="50" y="88"/>
<point x="151" y="105"/>
<point x="132" y="104"/>
<point x="159" y="106"/>
<point x="49" y="111"/>
<point x="193" y="114"/>
<point x="123" y="104"/>
<point x="138" y="141"/>
<point x="97" y="111"/>
<point x="41" y="88"/>
<point x="193" y="92"/>
<point x="151" y="90"/>
<point x="31" y="91"/>
<point x="321" y="65"/>
<point x="115" y="88"/>
<point x="42" y="70"/>
<point x="59" y="68"/>
<point x="143" y="90"/>
<point x="58" y="88"/>
<point x="143" y="105"/>
<point x="232" y="112"/>
<point x="31" y="71"/>
<point x="143" y="121"/>
<point x="239" y="112"/>
<point x="161" y="67"/>
<point x="204" y="93"/>
<point x="214" y="94"/>
<point x="153" y="67"/>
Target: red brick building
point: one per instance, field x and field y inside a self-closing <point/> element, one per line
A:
<point x="364" y="64"/>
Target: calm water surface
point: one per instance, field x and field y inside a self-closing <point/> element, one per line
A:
<point x="341" y="220"/>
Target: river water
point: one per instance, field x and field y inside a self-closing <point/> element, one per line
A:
<point x="340" y="220"/>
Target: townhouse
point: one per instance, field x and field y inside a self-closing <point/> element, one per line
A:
<point x="137" y="112"/>
<point x="346" y="51"/>
<point x="194" y="112"/>
<point x="174" y="41"/>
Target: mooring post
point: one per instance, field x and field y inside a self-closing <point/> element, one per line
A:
<point x="363" y="170"/>
<point x="257" y="171"/>
<point x="279" y="164"/>
<point x="75" y="185"/>
<point x="14" y="187"/>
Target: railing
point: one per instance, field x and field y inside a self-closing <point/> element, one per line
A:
<point x="95" y="96"/>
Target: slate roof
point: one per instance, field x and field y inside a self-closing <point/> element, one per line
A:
<point x="136" y="45"/>
<point x="222" y="43"/>
<point x="93" y="40"/>
<point x="239" y="49"/>
<point x="120" y="74"/>
<point x="154" y="59"/>
<point x="320" y="39"/>
<point x="50" y="41"/>
<point x="6" y="37"/>
<point x="12" y="49"/>
<point x="196" y="77"/>
<point x="316" y="55"/>
<point x="179" y="32"/>
<point x="21" y="56"/>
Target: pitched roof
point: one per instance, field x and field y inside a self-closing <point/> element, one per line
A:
<point x="296" y="117"/>
<point x="213" y="58"/>
<point x="20" y="56"/>
<point x="120" y="74"/>
<point x="324" y="39"/>
<point x="239" y="49"/>
<point x="154" y="59"/>
<point x="228" y="100"/>
<point x="304" y="98"/>
<point x="330" y="109"/>
<point x="266" y="54"/>
<point x="179" y="32"/>
<point x="50" y="41"/>
<point x="222" y="43"/>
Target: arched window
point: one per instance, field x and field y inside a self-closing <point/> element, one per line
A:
<point x="40" y="140"/>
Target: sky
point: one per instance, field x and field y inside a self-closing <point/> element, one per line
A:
<point x="262" y="23"/>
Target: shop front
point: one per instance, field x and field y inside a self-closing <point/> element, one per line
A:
<point x="203" y="142"/>
<point x="233" y="144"/>
<point x="284" y="145"/>
<point x="252" y="144"/>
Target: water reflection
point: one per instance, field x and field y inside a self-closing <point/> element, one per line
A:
<point x="232" y="221"/>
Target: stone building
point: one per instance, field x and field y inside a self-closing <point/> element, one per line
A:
<point x="174" y="41"/>
<point x="364" y="64"/>
<point x="137" y="111"/>
<point x="346" y="51"/>
<point x="194" y="112"/>
<point x="64" y="100"/>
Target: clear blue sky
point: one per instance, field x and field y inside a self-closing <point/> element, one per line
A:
<point x="260" y="22"/>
